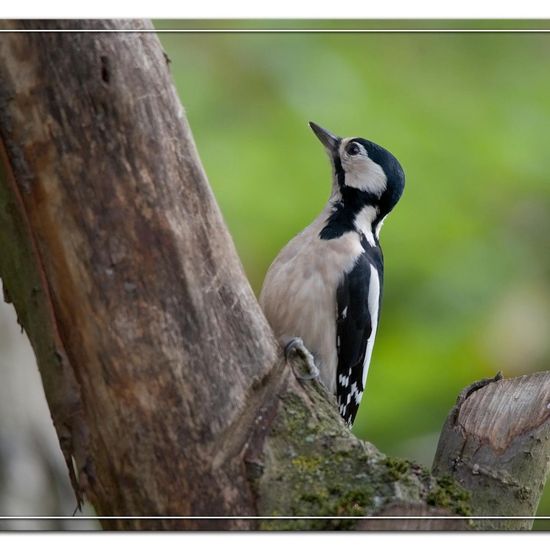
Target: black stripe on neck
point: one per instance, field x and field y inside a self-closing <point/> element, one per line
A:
<point x="342" y="218"/>
<point x="339" y="171"/>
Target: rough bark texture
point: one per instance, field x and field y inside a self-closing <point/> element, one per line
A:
<point x="106" y="195"/>
<point x="164" y="382"/>
<point x="303" y="461"/>
<point x="496" y="443"/>
<point x="33" y="476"/>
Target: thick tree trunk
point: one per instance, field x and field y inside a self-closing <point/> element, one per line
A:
<point x="149" y="338"/>
<point x="167" y="389"/>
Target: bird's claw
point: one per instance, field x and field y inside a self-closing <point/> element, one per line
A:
<point x="301" y="360"/>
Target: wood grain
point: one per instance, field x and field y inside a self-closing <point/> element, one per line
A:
<point x="496" y="443"/>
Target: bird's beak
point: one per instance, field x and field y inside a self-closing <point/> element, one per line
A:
<point x="330" y="141"/>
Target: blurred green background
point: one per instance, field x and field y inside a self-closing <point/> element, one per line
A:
<point x="467" y="249"/>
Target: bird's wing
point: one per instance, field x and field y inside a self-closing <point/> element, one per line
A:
<point x="358" y="299"/>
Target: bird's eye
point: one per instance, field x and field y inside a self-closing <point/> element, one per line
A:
<point x="353" y="149"/>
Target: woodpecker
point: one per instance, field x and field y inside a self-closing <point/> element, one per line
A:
<point x="322" y="293"/>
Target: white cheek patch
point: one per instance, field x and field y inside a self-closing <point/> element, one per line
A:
<point x="362" y="172"/>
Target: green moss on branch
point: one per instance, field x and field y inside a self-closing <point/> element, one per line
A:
<point x="310" y="466"/>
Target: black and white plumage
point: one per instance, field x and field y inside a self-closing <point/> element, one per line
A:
<point x="325" y="286"/>
<point x="358" y="300"/>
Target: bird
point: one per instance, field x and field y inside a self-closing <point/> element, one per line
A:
<point x="322" y="293"/>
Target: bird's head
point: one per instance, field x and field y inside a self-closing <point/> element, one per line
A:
<point x="364" y="172"/>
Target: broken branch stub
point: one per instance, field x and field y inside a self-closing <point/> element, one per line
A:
<point x="496" y="444"/>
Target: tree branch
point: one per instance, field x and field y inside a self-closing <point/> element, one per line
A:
<point x="168" y="392"/>
<point x="496" y="444"/>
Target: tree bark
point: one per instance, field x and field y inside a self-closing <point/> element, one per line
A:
<point x="496" y="443"/>
<point x="167" y="390"/>
<point x="149" y="338"/>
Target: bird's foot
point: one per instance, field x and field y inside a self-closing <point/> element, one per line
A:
<point x="300" y="360"/>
